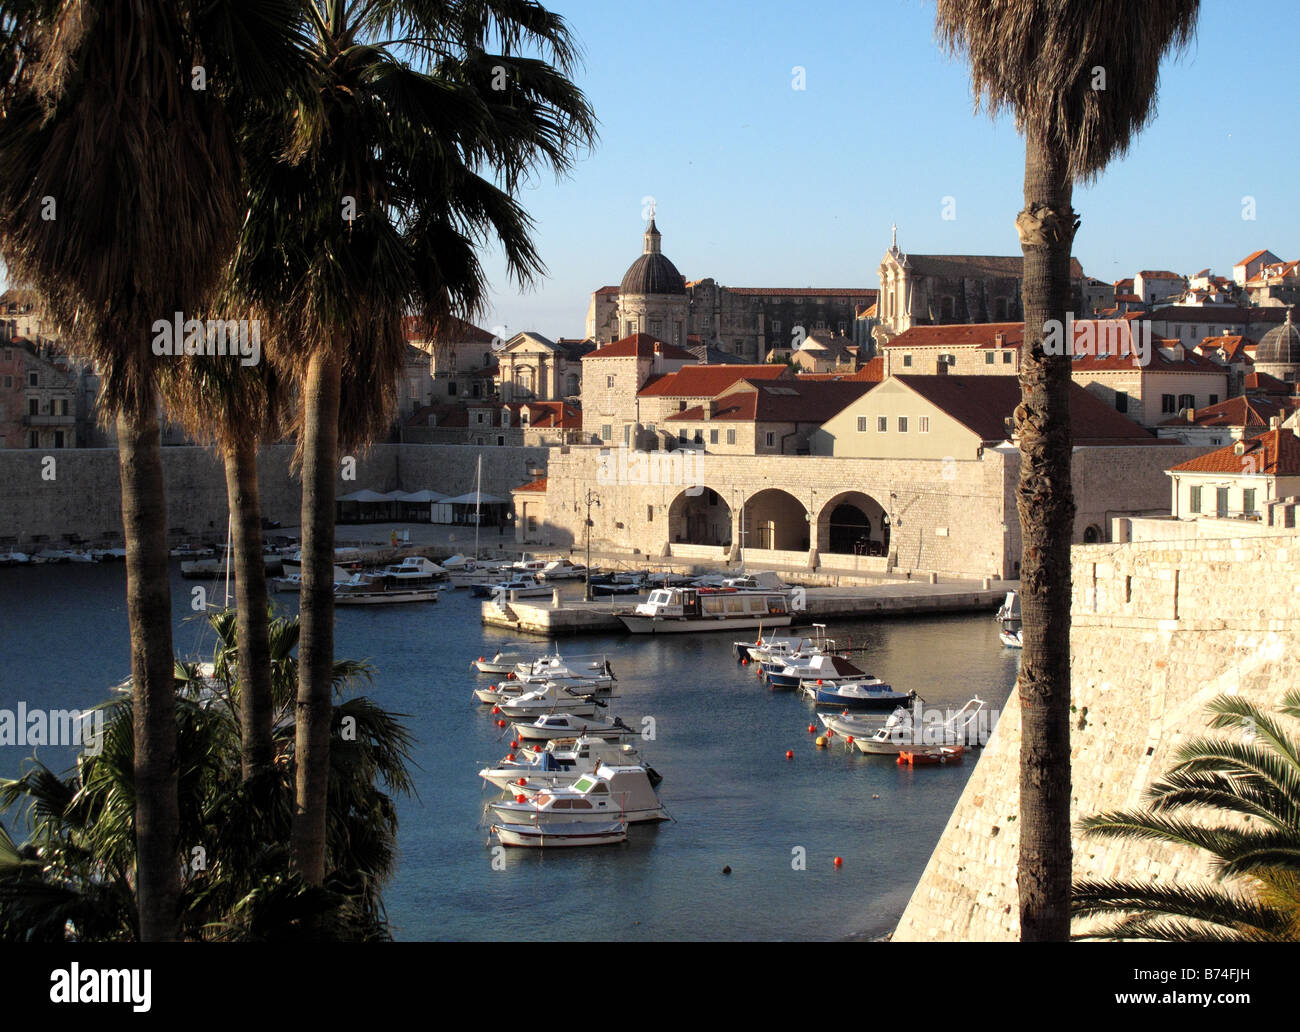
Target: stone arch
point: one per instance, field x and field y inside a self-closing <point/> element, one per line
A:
<point x="1092" y="535"/>
<point x="699" y="518"/>
<point x="775" y="519"/>
<point x="853" y="523"/>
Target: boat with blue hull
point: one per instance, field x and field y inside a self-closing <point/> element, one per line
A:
<point x="871" y="694"/>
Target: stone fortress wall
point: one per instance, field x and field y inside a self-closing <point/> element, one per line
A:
<point x="81" y="492"/>
<point x="1159" y="629"/>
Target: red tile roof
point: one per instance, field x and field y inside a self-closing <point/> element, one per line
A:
<point x="1159" y="274"/>
<point x="607" y="290"/>
<point x="449" y="329"/>
<point x="1251" y="257"/>
<point x="1265" y="383"/>
<point x="1240" y="411"/>
<point x="779" y="401"/>
<point x="956" y="335"/>
<point x="1275" y="453"/>
<point x="872" y="371"/>
<point x="535" y="485"/>
<point x="640" y="345"/>
<point x="1235" y="345"/>
<point x="1128" y="298"/>
<point x="983" y="404"/>
<point x="708" y="381"/>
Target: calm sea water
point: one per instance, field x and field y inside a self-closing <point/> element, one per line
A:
<point x="720" y="743"/>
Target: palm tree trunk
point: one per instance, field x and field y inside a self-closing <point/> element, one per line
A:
<point x="1046" y="504"/>
<point x="316" y="643"/>
<point x="148" y="602"/>
<point x="253" y="620"/>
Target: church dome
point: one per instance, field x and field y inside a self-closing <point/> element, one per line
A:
<point x="652" y="273"/>
<point x="1280" y="345"/>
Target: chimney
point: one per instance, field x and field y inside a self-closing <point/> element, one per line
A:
<point x="1274" y="422"/>
<point x="999" y="340"/>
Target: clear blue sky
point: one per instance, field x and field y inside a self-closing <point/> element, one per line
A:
<point x="758" y="184"/>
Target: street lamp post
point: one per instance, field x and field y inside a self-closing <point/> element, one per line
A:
<point x="592" y="499"/>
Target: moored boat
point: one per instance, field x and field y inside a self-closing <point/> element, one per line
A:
<point x="686" y="610"/>
<point x="561" y="836"/>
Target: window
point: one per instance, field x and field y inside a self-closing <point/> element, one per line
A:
<point x="1167" y="403"/>
<point x="681" y="435"/>
<point x="478" y="417"/>
<point x="1214" y="399"/>
<point x="731" y="437"/>
<point x="699" y="436"/>
<point x="33" y="406"/>
<point x="862" y="424"/>
<point x="907" y="360"/>
<point x="713" y="437"/>
<point x="9" y="381"/>
<point x="771" y="439"/>
<point x="609" y="381"/>
<point x="33" y="440"/>
<point x="1006" y="358"/>
<point x="58" y="441"/>
<point x="1248" y="501"/>
<point x="451" y="389"/>
<point x="988" y="358"/>
<point x="1194" y="499"/>
<point x="649" y="513"/>
<point x="1121" y="401"/>
<point x="500" y="441"/>
<point x="882" y="424"/>
<point x="923" y="425"/>
<point x="627" y="434"/>
<point x="33" y="380"/>
<point x="1187" y="401"/>
<point x="606" y="431"/>
<point x="1221" y="501"/>
<point x="902" y="424"/>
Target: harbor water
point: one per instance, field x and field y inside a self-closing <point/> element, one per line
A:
<point x="714" y="732"/>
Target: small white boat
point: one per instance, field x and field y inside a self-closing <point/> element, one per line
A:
<point x="414" y="570"/>
<point x="560" y="570"/>
<point x="907" y="731"/>
<point x="361" y="593"/>
<point x="560" y="764"/>
<point x="567" y="725"/>
<point x="686" y="610"/>
<point x="611" y="793"/>
<point x="1012" y="639"/>
<point x="561" y="836"/>
<point x="552" y="698"/>
<point x="191" y="551"/>
<point x="504" y="661"/>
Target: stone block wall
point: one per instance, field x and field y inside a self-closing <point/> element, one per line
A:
<point x="83" y="495"/>
<point x="1159" y="629"/>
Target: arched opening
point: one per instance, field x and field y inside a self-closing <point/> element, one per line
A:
<point x="853" y="523"/>
<point x="1092" y="535"/>
<point x="702" y="518"/>
<point x="775" y="519"/>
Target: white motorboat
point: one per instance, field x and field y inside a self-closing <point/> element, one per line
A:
<point x="504" y="661"/>
<point x="1012" y="639"/>
<point x="12" y="558"/>
<point x="561" y="570"/>
<point x="357" y="591"/>
<point x="501" y="590"/>
<point x="561" y="836"/>
<point x="686" y="610"/>
<point x="551" y="698"/>
<point x="191" y="551"/>
<point x="906" y="731"/>
<point x="853" y="725"/>
<point x="293" y="581"/>
<point x="413" y="571"/>
<point x="567" y="725"/>
<point x="820" y="668"/>
<point x="557" y="764"/>
<point x="611" y="793"/>
<point x="597" y="671"/>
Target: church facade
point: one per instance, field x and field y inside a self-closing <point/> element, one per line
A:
<point x="748" y="322"/>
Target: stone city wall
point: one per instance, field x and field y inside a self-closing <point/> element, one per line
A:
<point x="1159" y="629"/>
<point x="80" y="493"/>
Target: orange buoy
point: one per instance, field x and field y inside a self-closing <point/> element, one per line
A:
<point x="510" y="676"/>
<point x="839" y="861"/>
<point x="523" y="781"/>
<point x="521" y="798"/>
<point x="812" y="728"/>
<point x="819" y="680"/>
<point x="501" y="723"/>
<point x="480" y="659"/>
<point x="789" y="754"/>
<point x="510" y="757"/>
<point x="514" y="744"/>
<point x="849" y="740"/>
<point x="496" y="709"/>
<point x="744" y="662"/>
